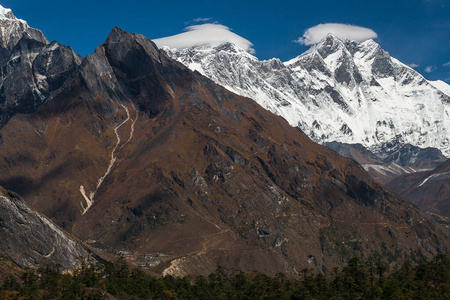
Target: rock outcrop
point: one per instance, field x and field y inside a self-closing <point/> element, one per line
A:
<point x="30" y="67"/>
<point x="30" y="239"/>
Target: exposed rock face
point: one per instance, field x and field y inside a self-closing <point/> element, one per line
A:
<point x="31" y="240"/>
<point x="30" y="73"/>
<point x="13" y="30"/>
<point x="139" y="153"/>
<point x="430" y="190"/>
<point x="338" y="91"/>
<point x="411" y="156"/>
<point x="30" y="67"/>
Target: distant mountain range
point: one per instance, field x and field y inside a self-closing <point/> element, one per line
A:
<point x="337" y="91"/>
<point x="133" y="152"/>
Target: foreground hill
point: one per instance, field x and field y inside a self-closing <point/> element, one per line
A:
<point x="140" y="154"/>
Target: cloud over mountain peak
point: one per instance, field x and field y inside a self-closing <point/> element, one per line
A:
<point x="315" y="34"/>
<point x="205" y="34"/>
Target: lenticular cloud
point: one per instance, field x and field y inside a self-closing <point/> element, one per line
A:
<point x="315" y="34"/>
<point x="204" y="34"/>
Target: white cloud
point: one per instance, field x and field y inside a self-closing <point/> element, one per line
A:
<point x="414" y="66"/>
<point x="315" y="34"/>
<point x="447" y="64"/>
<point x="205" y="34"/>
<point x="429" y="69"/>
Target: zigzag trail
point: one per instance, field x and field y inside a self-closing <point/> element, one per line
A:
<point x="90" y="199"/>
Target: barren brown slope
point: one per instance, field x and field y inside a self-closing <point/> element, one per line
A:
<point x="200" y="174"/>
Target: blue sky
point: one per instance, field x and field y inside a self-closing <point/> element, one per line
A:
<point x="414" y="31"/>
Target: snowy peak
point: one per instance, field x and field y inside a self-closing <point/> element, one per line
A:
<point x="338" y="90"/>
<point x="333" y="52"/>
<point x="329" y="45"/>
<point x="369" y="47"/>
<point x="203" y="58"/>
<point x="229" y="47"/>
<point x="13" y="29"/>
<point x="6" y="13"/>
<point x="225" y="47"/>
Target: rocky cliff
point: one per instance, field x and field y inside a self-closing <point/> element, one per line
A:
<point x="31" y="240"/>
<point x="30" y="67"/>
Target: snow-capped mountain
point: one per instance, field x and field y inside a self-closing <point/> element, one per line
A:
<point x="338" y="90"/>
<point x="13" y="29"/>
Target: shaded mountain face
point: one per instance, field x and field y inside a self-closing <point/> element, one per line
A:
<point x="138" y="153"/>
<point x="30" y="239"/>
<point x="30" y="67"/>
<point x="429" y="190"/>
<point x="338" y="91"/>
<point x="391" y="161"/>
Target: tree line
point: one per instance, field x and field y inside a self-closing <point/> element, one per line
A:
<point x="359" y="279"/>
